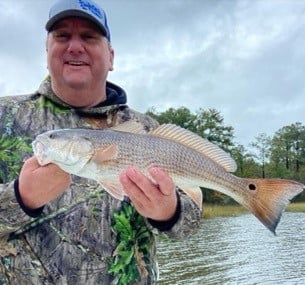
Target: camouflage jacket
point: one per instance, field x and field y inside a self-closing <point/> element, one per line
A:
<point x="85" y="236"/>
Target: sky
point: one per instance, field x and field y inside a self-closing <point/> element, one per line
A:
<point x="245" y="59"/>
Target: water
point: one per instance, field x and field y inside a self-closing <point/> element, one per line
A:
<point x="237" y="251"/>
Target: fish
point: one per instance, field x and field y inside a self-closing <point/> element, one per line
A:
<point x="191" y="161"/>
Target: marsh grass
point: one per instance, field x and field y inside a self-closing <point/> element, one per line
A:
<point x="296" y="207"/>
<point x="211" y="211"/>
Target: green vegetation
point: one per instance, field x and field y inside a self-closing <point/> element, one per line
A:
<point x="296" y="207"/>
<point x="214" y="210"/>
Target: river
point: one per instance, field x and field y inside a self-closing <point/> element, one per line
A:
<point x="238" y="251"/>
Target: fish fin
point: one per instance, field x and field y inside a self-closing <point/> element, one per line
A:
<point x="105" y="154"/>
<point x="269" y="199"/>
<point x="195" y="194"/>
<point x="197" y="143"/>
<point x="114" y="188"/>
<point x="133" y="127"/>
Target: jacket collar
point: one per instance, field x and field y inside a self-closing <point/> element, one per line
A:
<point x="116" y="98"/>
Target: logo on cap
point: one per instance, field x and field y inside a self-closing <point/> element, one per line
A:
<point x="86" y="5"/>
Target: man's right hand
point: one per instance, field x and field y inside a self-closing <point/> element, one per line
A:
<point x="38" y="184"/>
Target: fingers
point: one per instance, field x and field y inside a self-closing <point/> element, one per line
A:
<point x="165" y="182"/>
<point x="136" y="185"/>
<point x="158" y="200"/>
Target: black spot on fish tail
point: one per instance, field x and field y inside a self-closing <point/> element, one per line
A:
<point x="252" y="186"/>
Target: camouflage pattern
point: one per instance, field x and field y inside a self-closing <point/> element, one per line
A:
<point x="73" y="241"/>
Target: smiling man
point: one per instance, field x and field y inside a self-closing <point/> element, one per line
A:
<point x="79" y="58"/>
<point x="58" y="229"/>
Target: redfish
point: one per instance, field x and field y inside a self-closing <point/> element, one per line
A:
<point x="190" y="160"/>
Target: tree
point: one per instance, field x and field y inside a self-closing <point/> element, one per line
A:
<point x="207" y="124"/>
<point x="210" y="125"/>
<point x="181" y="117"/>
<point x="246" y="165"/>
<point x="262" y="154"/>
<point x="288" y="150"/>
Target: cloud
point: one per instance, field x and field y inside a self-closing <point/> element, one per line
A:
<point x="243" y="58"/>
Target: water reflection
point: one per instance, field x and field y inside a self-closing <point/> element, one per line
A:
<point x="237" y="250"/>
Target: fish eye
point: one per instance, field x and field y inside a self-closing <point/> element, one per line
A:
<point x="252" y="187"/>
<point x="51" y="136"/>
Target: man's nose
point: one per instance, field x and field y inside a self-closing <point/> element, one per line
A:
<point x="75" y="45"/>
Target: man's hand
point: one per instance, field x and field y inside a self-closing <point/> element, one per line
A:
<point x="38" y="185"/>
<point x="154" y="201"/>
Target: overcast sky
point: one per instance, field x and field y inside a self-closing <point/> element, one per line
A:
<point x="244" y="58"/>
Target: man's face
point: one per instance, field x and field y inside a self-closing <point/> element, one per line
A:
<point x="78" y="55"/>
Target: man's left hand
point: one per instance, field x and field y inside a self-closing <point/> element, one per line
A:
<point x="155" y="201"/>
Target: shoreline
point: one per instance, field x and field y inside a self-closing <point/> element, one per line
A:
<point x="212" y="210"/>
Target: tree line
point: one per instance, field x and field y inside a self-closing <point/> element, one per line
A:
<point x="281" y="155"/>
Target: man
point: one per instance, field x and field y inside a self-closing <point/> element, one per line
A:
<point x="58" y="229"/>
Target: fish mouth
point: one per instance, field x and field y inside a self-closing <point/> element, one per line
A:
<point x="40" y="152"/>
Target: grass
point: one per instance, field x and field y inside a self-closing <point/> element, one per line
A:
<point x="296" y="207"/>
<point x="211" y="211"/>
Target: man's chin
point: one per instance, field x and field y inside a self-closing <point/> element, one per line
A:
<point x="76" y="82"/>
<point x="76" y="76"/>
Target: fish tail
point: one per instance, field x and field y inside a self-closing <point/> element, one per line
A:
<point x="270" y="197"/>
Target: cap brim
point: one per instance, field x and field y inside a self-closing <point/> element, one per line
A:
<point x="73" y="13"/>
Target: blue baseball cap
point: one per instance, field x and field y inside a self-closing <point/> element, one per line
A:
<point x="78" y="8"/>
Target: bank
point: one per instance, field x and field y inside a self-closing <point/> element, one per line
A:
<point x="214" y="210"/>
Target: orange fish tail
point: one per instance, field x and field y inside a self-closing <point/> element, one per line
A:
<point x="269" y="197"/>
